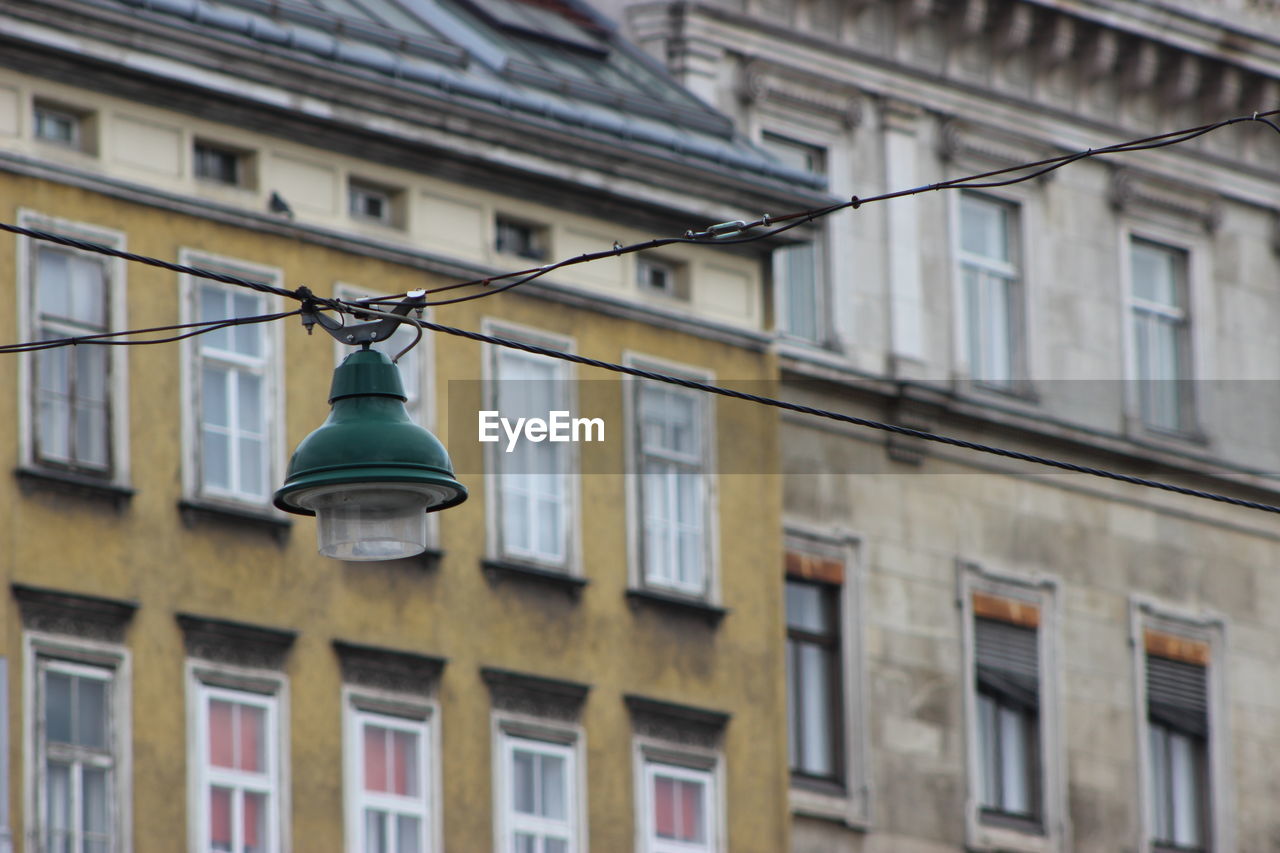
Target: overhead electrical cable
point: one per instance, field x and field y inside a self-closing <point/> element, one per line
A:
<point x="909" y="432"/>
<point x="108" y="338"/>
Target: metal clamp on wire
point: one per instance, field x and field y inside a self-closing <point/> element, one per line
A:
<point x="361" y="334"/>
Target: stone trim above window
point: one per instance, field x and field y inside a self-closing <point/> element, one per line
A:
<point x="57" y="612"/>
<point x="686" y="725"/>
<point x="236" y="643"/>
<point x="535" y="695"/>
<point x="388" y="669"/>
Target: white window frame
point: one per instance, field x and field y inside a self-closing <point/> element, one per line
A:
<point x="709" y="590"/>
<point x="565" y="740"/>
<point x="565" y="380"/>
<point x="1040" y="590"/>
<point x="854" y="806"/>
<point x="1017" y="274"/>
<point x="652" y="757"/>
<point x="267" y="689"/>
<point x="1210" y="628"/>
<point x="1196" y="313"/>
<point x="117" y="365"/>
<point x="400" y="712"/>
<point x="93" y="658"/>
<point x="271" y="370"/>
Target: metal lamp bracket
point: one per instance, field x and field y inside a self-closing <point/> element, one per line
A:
<point x="360" y="334"/>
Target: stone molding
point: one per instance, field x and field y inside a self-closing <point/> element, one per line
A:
<point x="764" y="82"/>
<point x="388" y="669"/>
<point x="57" y="612"/>
<point x="686" y="725"/>
<point x="535" y="695"/>
<point x="236" y="643"/>
<point x="1135" y="191"/>
<point x="970" y="142"/>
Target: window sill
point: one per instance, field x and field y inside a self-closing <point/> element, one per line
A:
<point x="675" y="603"/>
<point x="196" y="512"/>
<point x="69" y="482"/>
<point x="498" y="570"/>
<point x="825" y="801"/>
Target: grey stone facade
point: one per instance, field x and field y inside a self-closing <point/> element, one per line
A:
<point x="898" y="94"/>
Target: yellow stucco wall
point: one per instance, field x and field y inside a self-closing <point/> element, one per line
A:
<point x="146" y="553"/>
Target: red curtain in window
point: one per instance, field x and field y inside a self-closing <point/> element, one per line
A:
<point x="375" y="758"/>
<point x="403" y="764"/>
<point x="690" y="811"/>
<point x="251" y="732"/>
<point x="252" y="821"/>
<point x="220" y="818"/>
<point x="221" y="748"/>
<point x="664" y="806"/>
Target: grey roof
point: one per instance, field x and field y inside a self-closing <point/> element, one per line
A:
<point x="557" y="60"/>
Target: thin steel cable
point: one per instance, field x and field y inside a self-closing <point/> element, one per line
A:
<point x="895" y="429"/>
<point x="104" y="338"/>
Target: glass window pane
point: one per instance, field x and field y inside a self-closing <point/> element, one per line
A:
<point x="94" y="796"/>
<point x="252" y="466"/>
<point x="664" y="807"/>
<point x="221" y="734"/>
<point x="522" y="780"/>
<point x="252" y="731"/>
<point x="375" y="758"/>
<point x="220" y="818"/>
<point x="88" y="292"/>
<point x="91" y="719"/>
<point x="250" y="408"/>
<point x="1158" y="779"/>
<point x="692" y="826"/>
<point x="526" y="843"/>
<point x="215" y="395"/>
<point x="555" y="845"/>
<point x="255" y="822"/>
<point x="1015" y="761"/>
<point x="215" y="454"/>
<point x="58" y="790"/>
<point x="804" y="608"/>
<point x="248" y="338"/>
<point x="57" y="707"/>
<point x="1185" y="796"/>
<point x="989" y="765"/>
<point x="553" y="787"/>
<point x="375" y="832"/>
<point x="213" y="306"/>
<point x="53" y="281"/>
<point x="815" y="706"/>
<point x="405" y="763"/>
<point x="1155" y="272"/>
<point x="408" y="834"/>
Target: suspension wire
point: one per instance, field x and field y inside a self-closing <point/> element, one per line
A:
<point x="909" y="432"/>
<point x="106" y="338"/>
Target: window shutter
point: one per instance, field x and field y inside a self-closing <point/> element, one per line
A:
<point x="1177" y="695"/>
<point x="1008" y="660"/>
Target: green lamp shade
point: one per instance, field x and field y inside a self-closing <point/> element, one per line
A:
<point x="369" y="473"/>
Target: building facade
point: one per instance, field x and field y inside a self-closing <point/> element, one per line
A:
<point x="985" y="655"/>
<point x="590" y="654"/>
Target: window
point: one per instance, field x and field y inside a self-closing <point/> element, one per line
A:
<point x="220" y="164"/>
<point x="71" y="386"/>
<point x="1158" y="313"/>
<point x="1017" y="787"/>
<point x="798" y="155"/>
<point x="673" y="447"/>
<point x="59" y="125"/>
<point x="538" y="803"/>
<point x="1008" y="721"/>
<point x="522" y="239"/>
<point x="814" y="706"/>
<point x="76" y="689"/>
<point x="796" y="279"/>
<point x="991" y="289"/>
<point x="665" y="278"/>
<point x="234" y="376"/>
<point x="1178" y="742"/>
<point x="679" y="815"/>
<point x="371" y="203"/>
<point x="390" y="805"/>
<point x="74" y="412"/>
<point x="77" y="756"/>
<point x="534" y="512"/>
<point x="238" y="770"/>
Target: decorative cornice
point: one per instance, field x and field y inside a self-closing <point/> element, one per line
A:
<point x="388" y="669"/>
<point x="535" y="695"/>
<point x="58" y="612"/>
<point x="676" y="723"/>
<point x="1133" y="190"/>
<point x="986" y="145"/>
<point x="239" y="643"/>
<point x="762" y="81"/>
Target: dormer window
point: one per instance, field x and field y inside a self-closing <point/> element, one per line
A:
<point x="522" y="239"/>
